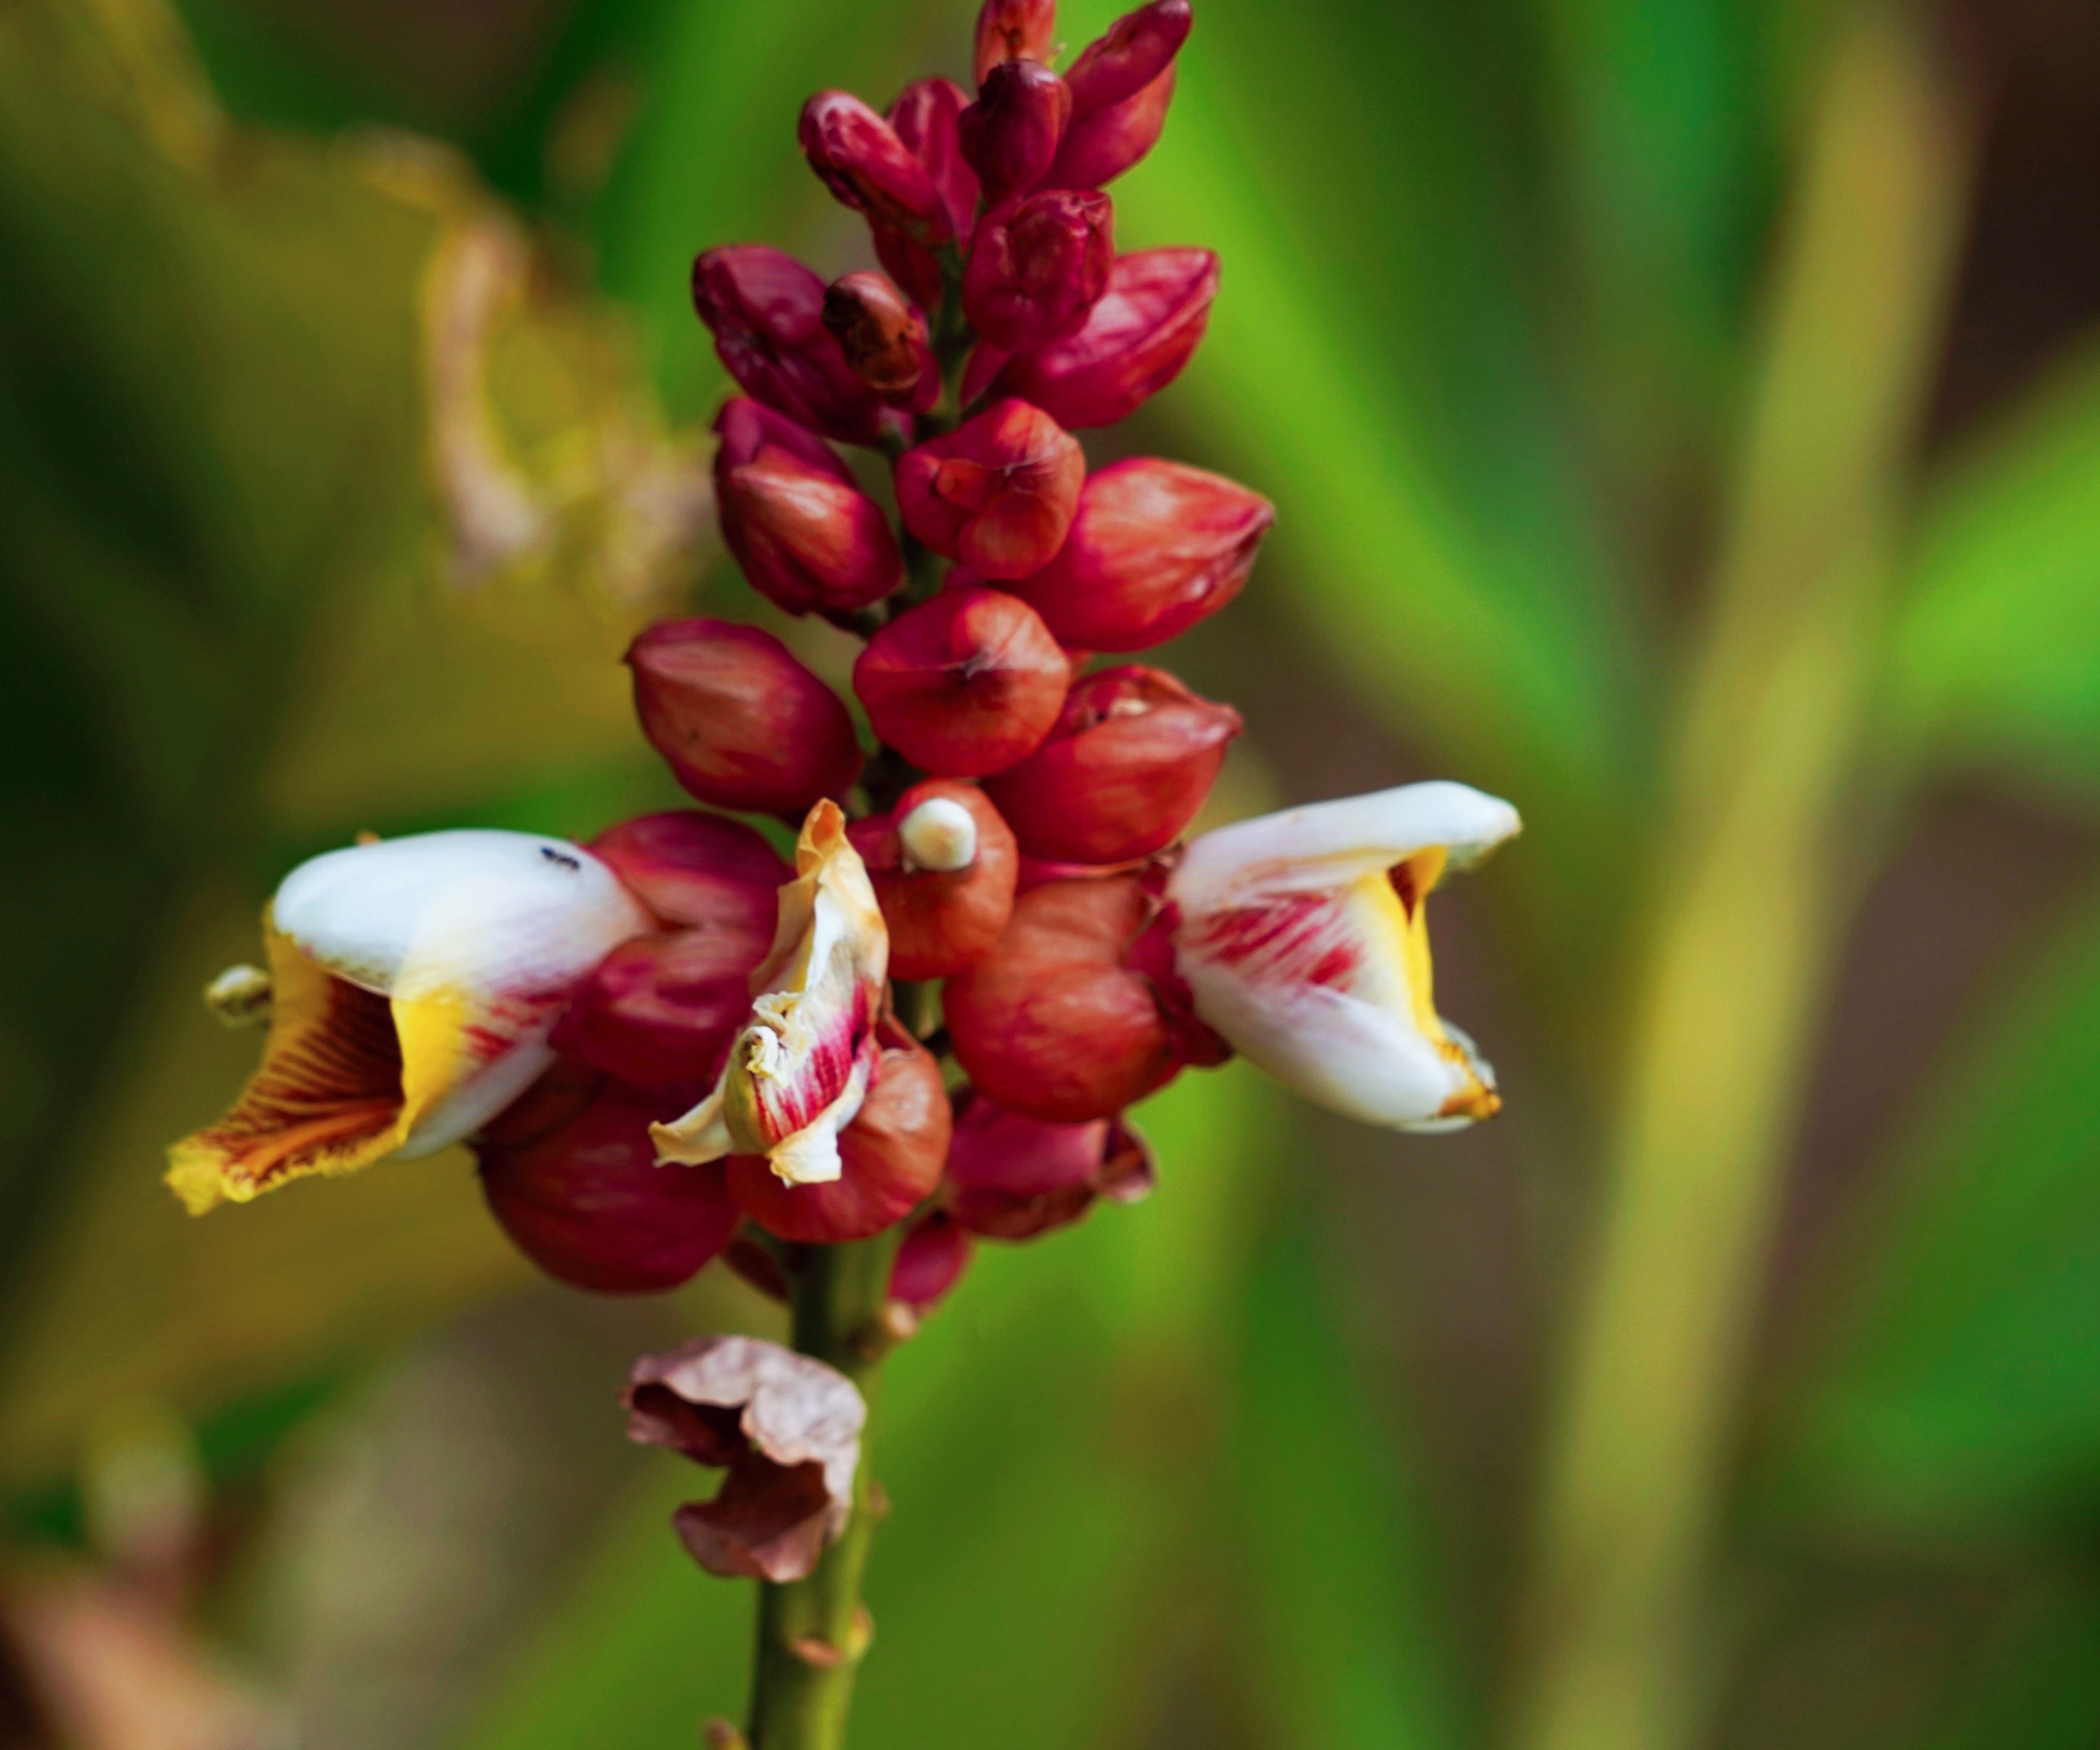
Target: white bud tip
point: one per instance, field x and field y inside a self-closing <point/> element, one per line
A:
<point x="939" y="834"/>
<point x="239" y="996"/>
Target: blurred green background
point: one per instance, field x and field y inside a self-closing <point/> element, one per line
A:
<point x="1683" y="417"/>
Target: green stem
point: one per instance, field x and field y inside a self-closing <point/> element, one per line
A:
<point x="812" y="1632"/>
<point x="1751" y="896"/>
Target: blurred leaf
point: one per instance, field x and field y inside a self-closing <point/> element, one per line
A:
<point x="2038" y="1685"/>
<point x="1965" y="1391"/>
<point x="1997" y="661"/>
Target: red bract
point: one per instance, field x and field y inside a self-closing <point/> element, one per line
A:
<point x="939" y="919"/>
<point x="884" y="338"/>
<point x="696" y="871"/>
<point x="1052" y="1022"/>
<point x="1100" y="145"/>
<point x="766" y="312"/>
<point x="998" y="493"/>
<point x="931" y="1261"/>
<point x="1136" y="49"/>
<point x="742" y="725"/>
<point x="891" y="1157"/>
<point x="570" y="1173"/>
<point x="805" y="536"/>
<point x="1155" y="547"/>
<point x="963" y="685"/>
<point x="1037" y="266"/>
<point x="1133" y="344"/>
<point x="1010" y="135"/>
<point x="860" y="158"/>
<point x="1013" y="30"/>
<point x="1010" y="1177"/>
<point x="659" y="1011"/>
<point x="1128" y="765"/>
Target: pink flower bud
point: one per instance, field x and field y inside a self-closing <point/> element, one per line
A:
<point x="1155" y="547"/>
<point x="891" y="1156"/>
<point x="1138" y="48"/>
<point x="1053" y="1023"/>
<point x="1101" y="144"/>
<point x="742" y="725"/>
<point x="696" y="871"/>
<point x="884" y="338"/>
<point x="1132" y="345"/>
<point x="930" y="1261"/>
<point x="859" y="156"/>
<point x="1011" y="1177"/>
<point x="1010" y="133"/>
<point x="659" y="1011"/>
<point x="998" y="493"/>
<point x="964" y="684"/>
<point x="1037" y="266"/>
<point x="924" y="116"/>
<point x="571" y="1173"/>
<point x="766" y="311"/>
<point x="1128" y="765"/>
<point x="1010" y="30"/>
<point x="805" y="535"/>
<point x="939" y="919"/>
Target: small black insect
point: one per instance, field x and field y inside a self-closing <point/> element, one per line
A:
<point x="563" y="858"/>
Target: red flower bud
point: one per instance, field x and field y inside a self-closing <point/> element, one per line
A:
<point x="997" y="493"/>
<point x="1051" y="1022"/>
<point x="964" y="684"/>
<point x="930" y="1261"/>
<point x="891" y="1156"/>
<point x="696" y="871"/>
<point x="1010" y="133"/>
<point x="806" y="536"/>
<point x="570" y="1173"/>
<point x="1101" y="144"/>
<point x="1132" y="756"/>
<point x="884" y="338"/>
<point x="1011" y="1177"/>
<point x="924" y="116"/>
<point x="940" y="919"/>
<point x="1037" y="266"/>
<point x="742" y="725"/>
<point x="1014" y="30"/>
<point x="766" y="311"/>
<point x="1132" y="345"/>
<point x="1155" y="547"/>
<point x="659" y="1011"/>
<point x="1138" y="48"/>
<point x="859" y="156"/>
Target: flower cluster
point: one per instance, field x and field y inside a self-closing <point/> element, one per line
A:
<point x="667" y="1045"/>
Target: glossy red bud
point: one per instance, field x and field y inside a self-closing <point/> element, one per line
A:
<point x="1155" y="547"/>
<point x="806" y="536"/>
<point x="1132" y="758"/>
<point x="859" y="157"/>
<point x="1037" y="266"/>
<point x="1011" y="134"/>
<point x="659" y="1011"/>
<point x="1133" y="343"/>
<point x="1050" y="1023"/>
<point x="924" y="116"/>
<point x="998" y="493"/>
<point x="939" y="919"/>
<point x="741" y="723"/>
<point x="573" y="1181"/>
<point x="964" y="684"/>
<point x="696" y="871"/>
<point x="1135" y="50"/>
<point x="884" y="337"/>
<point x="932" y="1259"/>
<point x="1014" y="30"/>
<point x="766" y="312"/>
<point x="1100" y="145"/>
<point x="891" y="1156"/>
<point x="1010" y="1177"/>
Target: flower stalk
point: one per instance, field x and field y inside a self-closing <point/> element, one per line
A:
<point x="813" y="1632"/>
